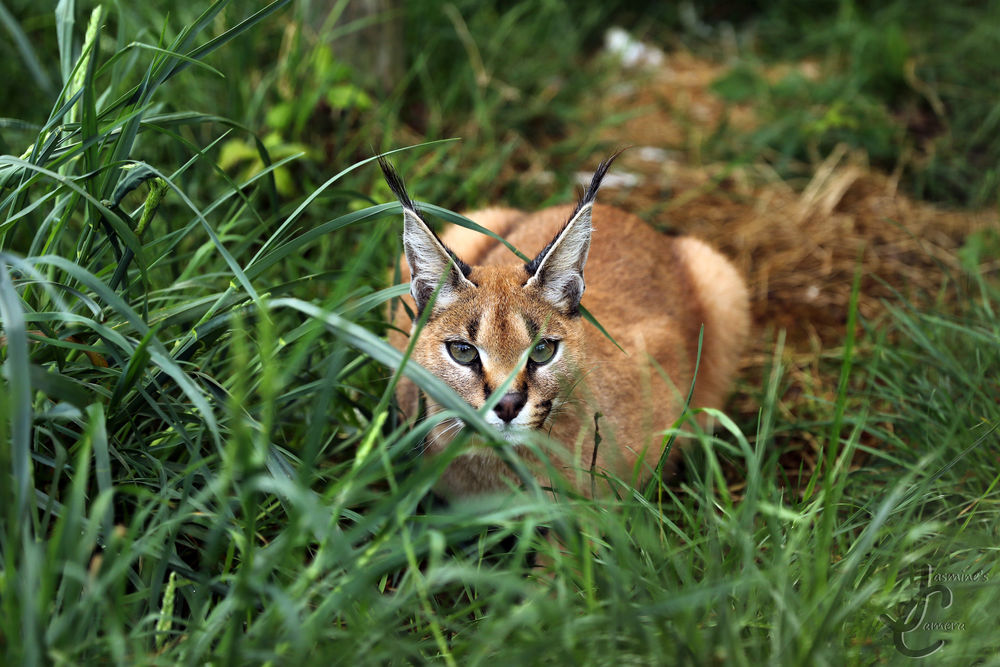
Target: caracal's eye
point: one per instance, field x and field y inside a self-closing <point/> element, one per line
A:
<point x="543" y="351"/>
<point x="463" y="353"/>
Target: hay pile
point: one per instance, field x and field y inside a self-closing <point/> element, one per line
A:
<point x="801" y="250"/>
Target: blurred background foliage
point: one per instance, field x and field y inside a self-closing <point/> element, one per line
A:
<point x="912" y="83"/>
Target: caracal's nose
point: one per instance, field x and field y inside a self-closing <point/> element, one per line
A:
<point x="510" y="406"/>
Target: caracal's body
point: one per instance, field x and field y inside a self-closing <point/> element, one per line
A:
<point x="652" y="293"/>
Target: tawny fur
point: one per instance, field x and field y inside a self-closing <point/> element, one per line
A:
<point x="651" y="292"/>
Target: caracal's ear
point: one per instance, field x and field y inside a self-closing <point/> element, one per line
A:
<point x="557" y="271"/>
<point x="431" y="262"/>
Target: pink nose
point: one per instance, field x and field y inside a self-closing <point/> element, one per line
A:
<point x="510" y="405"/>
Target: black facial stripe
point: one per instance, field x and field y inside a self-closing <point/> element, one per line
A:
<point x="487" y="390"/>
<point x="541" y="413"/>
<point x="472" y="328"/>
<point x="532" y="327"/>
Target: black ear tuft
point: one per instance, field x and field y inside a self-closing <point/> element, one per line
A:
<point x="590" y="194"/>
<point x="395" y="183"/>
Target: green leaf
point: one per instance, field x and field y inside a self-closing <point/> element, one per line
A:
<point x="348" y="96"/>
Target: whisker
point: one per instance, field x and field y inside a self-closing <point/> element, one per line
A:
<point x="449" y="425"/>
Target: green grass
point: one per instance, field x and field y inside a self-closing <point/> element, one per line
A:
<point x="201" y="462"/>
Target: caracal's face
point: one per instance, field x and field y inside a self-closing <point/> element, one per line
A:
<point x="493" y="329"/>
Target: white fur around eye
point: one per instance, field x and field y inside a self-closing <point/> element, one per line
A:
<point x="555" y="357"/>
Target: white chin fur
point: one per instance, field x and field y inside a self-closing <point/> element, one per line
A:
<point x="512" y="431"/>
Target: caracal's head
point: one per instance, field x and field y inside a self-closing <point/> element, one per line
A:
<point x="491" y="324"/>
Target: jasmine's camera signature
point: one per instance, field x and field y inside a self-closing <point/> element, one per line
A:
<point x="933" y="588"/>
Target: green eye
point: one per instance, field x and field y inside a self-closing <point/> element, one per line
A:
<point x="463" y="353"/>
<point x="543" y="351"/>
